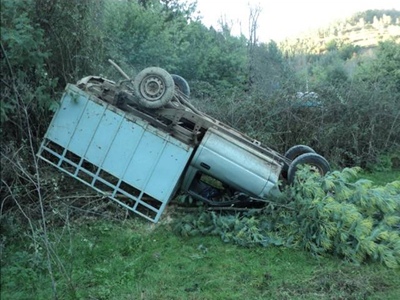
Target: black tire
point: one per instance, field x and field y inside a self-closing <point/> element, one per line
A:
<point x="293" y="153"/>
<point x="181" y="84"/>
<point x="314" y="160"/>
<point x="154" y="87"/>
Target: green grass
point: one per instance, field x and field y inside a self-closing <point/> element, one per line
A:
<point x="137" y="260"/>
<point x="381" y="178"/>
<point x="97" y="258"/>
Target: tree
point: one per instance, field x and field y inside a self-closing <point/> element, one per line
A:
<point x="25" y="85"/>
<point x="270" y="71"/>
<point x="253" y="39"/>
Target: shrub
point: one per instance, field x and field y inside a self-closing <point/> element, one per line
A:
<point x="332" y="214"/>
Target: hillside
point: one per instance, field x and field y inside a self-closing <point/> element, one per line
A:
<point x="364" y="29"/>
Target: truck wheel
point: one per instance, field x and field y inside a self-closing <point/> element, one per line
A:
<point x="154" y="87"/>
<point x="292" y="153"/>
<point x="181" y="84"/>
<point x="317" y="162"/>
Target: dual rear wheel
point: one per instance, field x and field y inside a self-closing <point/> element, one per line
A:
<point x="303" y="155"/>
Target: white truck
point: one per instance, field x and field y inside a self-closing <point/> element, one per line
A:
<point x="140" y="141"/>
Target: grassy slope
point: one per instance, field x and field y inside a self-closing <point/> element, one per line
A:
<point x="137" y="260"/>
<point x="133" y="259"/>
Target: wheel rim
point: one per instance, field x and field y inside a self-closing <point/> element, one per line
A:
<point x="152" y="88"/>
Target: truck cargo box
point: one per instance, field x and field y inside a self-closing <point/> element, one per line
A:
<point x="114" y="152"/>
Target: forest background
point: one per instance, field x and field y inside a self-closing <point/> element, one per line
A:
<point x="336" y="89"/>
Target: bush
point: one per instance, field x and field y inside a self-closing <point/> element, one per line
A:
<point x="332" y="214"/>
<point x="26" y="88"/>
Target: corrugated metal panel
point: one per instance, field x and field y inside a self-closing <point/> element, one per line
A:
<point x="124" y="158"/>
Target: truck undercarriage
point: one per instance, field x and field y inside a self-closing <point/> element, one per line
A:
<point x="145" y="134"/>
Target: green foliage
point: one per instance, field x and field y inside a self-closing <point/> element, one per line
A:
<point x="386" y="162"/>
<point x="269" y="71"/>
<point x="331" y="214"/>
<point x="354" y="220"/>
<point x="246" y="230"/>
<point x="25" y="80"/>
<point x="20" y="36"/>
<point x="74" y="35"/>
<point x="358" y="112"/>
<point x="381" y="177"/>
<point x="140" y="37"/>
<point x="384" y="71"/>
<point x="47" y="44"/>
<point x="136" y="36"/>
<point x="347" y="51"/>
<point x="332" y="45"/>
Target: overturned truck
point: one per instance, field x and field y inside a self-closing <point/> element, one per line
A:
<point x="140" y="141"/>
